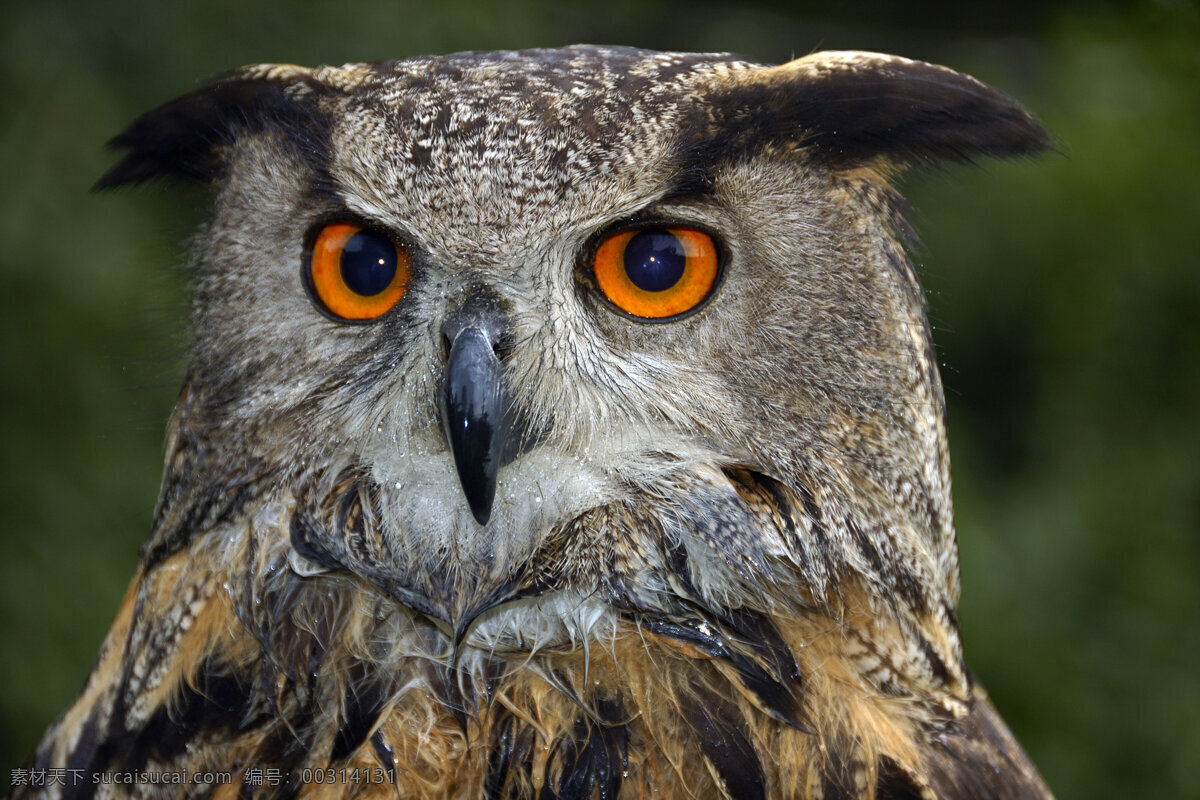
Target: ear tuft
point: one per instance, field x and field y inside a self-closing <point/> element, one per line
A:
<point x="189" y="137"/>
<point x="855" y="107"/>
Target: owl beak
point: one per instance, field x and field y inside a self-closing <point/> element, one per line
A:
<point x="473" y="412"/>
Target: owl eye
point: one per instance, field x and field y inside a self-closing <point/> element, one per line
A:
<point x="356" y="273"/>
<point x="657" y="273"/>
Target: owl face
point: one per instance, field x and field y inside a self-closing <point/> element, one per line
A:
<point x="504" y="291"/>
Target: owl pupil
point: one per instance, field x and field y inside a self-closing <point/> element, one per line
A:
<point x="368" y="263"/>
<point x="655" y="260"/>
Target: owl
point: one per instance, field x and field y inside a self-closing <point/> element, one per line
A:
<point x="557" y="424"/>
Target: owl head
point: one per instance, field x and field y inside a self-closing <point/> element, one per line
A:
<point x="574" y="323"/>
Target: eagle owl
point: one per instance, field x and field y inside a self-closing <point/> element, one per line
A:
<point x="557" y="424"/>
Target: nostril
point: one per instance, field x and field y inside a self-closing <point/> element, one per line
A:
<point x="483" y="316"/>
<point x="454" y="324"/>
<point x="502" y="346"/>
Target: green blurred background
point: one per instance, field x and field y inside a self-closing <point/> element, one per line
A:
<point x="1064" y="292"/>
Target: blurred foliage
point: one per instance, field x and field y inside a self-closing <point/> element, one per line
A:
<point x="1065" y="294"/>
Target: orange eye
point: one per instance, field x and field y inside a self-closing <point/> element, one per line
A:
<point x="357" y="273"/>
<point x="657" y="273"/>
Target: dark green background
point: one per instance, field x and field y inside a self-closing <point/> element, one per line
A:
<point x="1064" y="292"/>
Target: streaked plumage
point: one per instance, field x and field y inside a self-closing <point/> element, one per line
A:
<point x="720" y="560"/>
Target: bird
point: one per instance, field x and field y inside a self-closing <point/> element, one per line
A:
<point x="557" y="423"/>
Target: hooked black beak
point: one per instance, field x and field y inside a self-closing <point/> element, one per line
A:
<point x="473" y="408"/>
